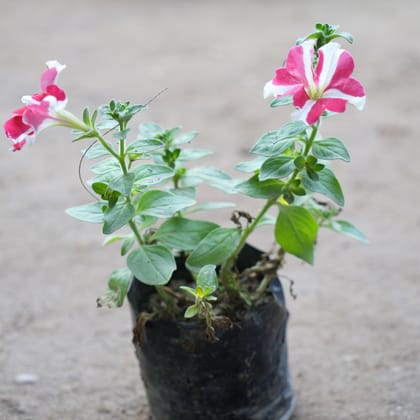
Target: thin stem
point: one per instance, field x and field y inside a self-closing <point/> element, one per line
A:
<point x="245" y="234"/>
<point x="227" y="265"/>
<point x="136" y="232"/>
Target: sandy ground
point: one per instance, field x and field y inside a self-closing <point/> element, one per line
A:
<point x="354" y="335"/>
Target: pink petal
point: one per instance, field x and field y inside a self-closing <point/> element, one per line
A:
<point x="300" y="97"/>
<point x="334" y="105"/>
<point x="284" y="78"/>
<point x="49" y="77"/>
<point x="299" y="59"/>
<point x="344" y="69"/>
<point x="350" y="87"/>
<point x="55" y="91"/>
<point x="315" y="112"/>
<point x="15" y="127"/>
<point x="36" y="115"/>
<point x="17" y="145"/>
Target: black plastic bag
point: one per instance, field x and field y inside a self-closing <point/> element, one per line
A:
<point x="242" y="376"/>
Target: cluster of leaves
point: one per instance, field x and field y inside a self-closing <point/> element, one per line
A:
<point x="293" y="165"/>
<point x="138" y="184"/>
<point x="325" y="33"/>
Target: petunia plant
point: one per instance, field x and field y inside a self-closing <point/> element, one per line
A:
<point x="144" y="184"/>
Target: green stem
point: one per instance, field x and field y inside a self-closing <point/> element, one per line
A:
<point x="227" y="265"/>
<point x="136" y="232"/>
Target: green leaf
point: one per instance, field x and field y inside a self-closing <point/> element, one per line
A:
<point x="141" y="146"/>
<point x="121" y="135"/>
<point x="184" y="234"/>
<point x="117" y="217"/>
<point x="193" y="154"/>
<point x="215" y="248"/>
<point x="150" y="130"/>
<point x="189" y="290"/>
<point x="296" y="231"/>
<point x="91" y="212"/>
<point x="272" y="144"/>
<point x="152" y="264"/>
<point x="185" y="138"/>
<point x="191" y="311"/>
<point x="207" y="279"/>
<point x="329" y="149"/>
<point x="118" y="284"/>
<point x="123" y="184"/>
<point x="96" y="151"/>
<point x="208" y="173"/>
<point x="127" y="244"/>
<point x="348" y="229"/>
<point x="253" y="187"/>
<point x="106" y="166"/>
<point x="251" y="165"/>
<point x="326" y="184"/>
<point x="162" y="204"/>
<point x="285" y="100"/>
<point x="152" y="174"/>
<point x="213" y="205"/>
<point x="277" y="167"/>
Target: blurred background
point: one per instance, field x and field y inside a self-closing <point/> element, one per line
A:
<point x="354" y="334"/>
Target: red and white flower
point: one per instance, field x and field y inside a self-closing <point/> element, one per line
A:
<point x="41" y="110"/>
<point x="326" y="86"/>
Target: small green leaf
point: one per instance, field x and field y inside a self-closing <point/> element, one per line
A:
<point x="96" y="151"/>
<point x="207" y="279"/>
<point x="106" y="166"/>
<point x="150" y="130"/>
<point x="271" y="144"/>
<point x="184" y="234"/>
<point x="123" y="184"/>
<point x="251" y="165"/>
<point x="285" y="100"/>
<point x="121" y="135"/>
<point x="296" y="231"/>
<point x="191" y="311"/>
<point x="348" y="229"/>
<point x="117" y="217"/>
<point x="215" y="248"/>
<point x="152" y="174"/>
<point x="213" y="205"/>
<point x="91" y="212"/>
<point x="162" y="204"/>
<point x="253" y="187"/>
<point x="189" y="290"/>
<point x="326" y="184"/>
<point x="127" y="244"/>
<point x="141" y="146"/>
<point x="330" y="148"/>
<point x="152" y="264"/>
<point x="193" y="154"/>
<point x="86" y="118"/>
<point x="118" y="284"/>
<point x="277" y="167"/>
<point x="185" y="138"/>
<point x="111" y="239"/>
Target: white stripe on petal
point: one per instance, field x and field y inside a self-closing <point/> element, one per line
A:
<point x="271" y="89"/>
<point x="357" y="101"/>
<point x="308" y="56"/>
<point x="331" y="52"/>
